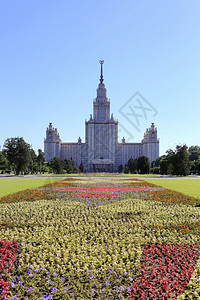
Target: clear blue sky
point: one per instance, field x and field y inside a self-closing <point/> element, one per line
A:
<point x="49" y="66"/>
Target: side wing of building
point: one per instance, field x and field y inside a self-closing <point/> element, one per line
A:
<point x="74" y="151"/>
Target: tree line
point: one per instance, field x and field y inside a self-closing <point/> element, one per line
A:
<point x="182" y="161"/>
<point x="60" y="166"/>
<point x="17" y="156"/>
<point x="139" y="165"/>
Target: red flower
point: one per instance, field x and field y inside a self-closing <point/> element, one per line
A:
<point x="170" y="277"/>
<point x="8" y="251"/>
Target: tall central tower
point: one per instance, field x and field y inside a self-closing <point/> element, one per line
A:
<point x="101" y="105"/>
<point x="101" y="151"/>
<point x="101" y="132"/>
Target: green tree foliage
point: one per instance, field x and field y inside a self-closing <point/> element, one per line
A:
<point x="34" y="168"/>
<point x="195" y="167"/>
<point x="132" y="165"/>
<point x="155" y="170"/>
<point x="120" y="168"/>
<point x="194" y="153"/>
<point x="40" y="160"/>
<point x="69" y="166"/>
<point x="33" y="155"/>
<point x="45" y="167"/>
<point x="178" y="160"/>
<point x="181" y="164"/>
<point x="57" y="165"/>
<point x="81" y="167"/>
<point x="164" y="165"/>
<point x="156" y="162"/>
<point x="32" y="163"/>
<point x="126" y="169"/>
<point x="4" y="163"/>
<point x="143" y="165"/>
<point x="140" y="165"/>
<point x="17" y="153"/>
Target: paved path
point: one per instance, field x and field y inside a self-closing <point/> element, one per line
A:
<point x="97" y="177"/>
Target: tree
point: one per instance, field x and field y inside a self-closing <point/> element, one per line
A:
<point x="156" y="162"/>
<point x="57" y="165"/>
<point x="17" y="153"/>
<point x="40" y="159"/>
<point x="4" y="163"/>
<point x="143" y="165"/>
<point x="33" y="155"/>
<point x="181" y="163"/>
<point x="132" y="164"/>
<point x="120" y="168"/>
<point x="45" y="167"/>
<point x="179" y="160"/>
<point x="81" y="167"/>
<point x="155" y="170"/>
<point x="34" y="168"/>
<point x="195" y="167"/>
<point x="32" y="163"/>
<point x="194" y="153"/>
<point x="76" y="169"/>
<point x="70" y="166"/>
<point x="126" y="169"/>
<point x="166" y="165"/>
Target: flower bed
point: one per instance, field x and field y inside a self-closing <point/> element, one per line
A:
<point x="96" y="195"/>
<point x="165" y="271"/>
<point x="102" y="189"/>
<point x="23" y="196"/>
<point x="187" y="228"/>
<point x="169" y="196"/>
<point x="7" y="257"/>
<point x="84" y="239"/>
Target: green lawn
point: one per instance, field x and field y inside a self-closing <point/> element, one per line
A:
<point x="13" y="185"/>
<point x="190" y="187"/>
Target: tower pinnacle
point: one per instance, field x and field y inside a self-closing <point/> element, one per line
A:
<point x="101" y="77"/>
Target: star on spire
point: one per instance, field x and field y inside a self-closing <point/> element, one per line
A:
<point x="101" y="77"/>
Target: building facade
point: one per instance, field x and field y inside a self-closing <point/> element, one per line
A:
<point x="101" y="151"/>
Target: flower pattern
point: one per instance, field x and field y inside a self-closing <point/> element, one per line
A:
<point x="99" y="238"/>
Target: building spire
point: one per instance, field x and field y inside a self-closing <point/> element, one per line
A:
<point x="101" y="77"/>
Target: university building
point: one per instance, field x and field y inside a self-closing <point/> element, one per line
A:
<point x="101" y="151"/>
